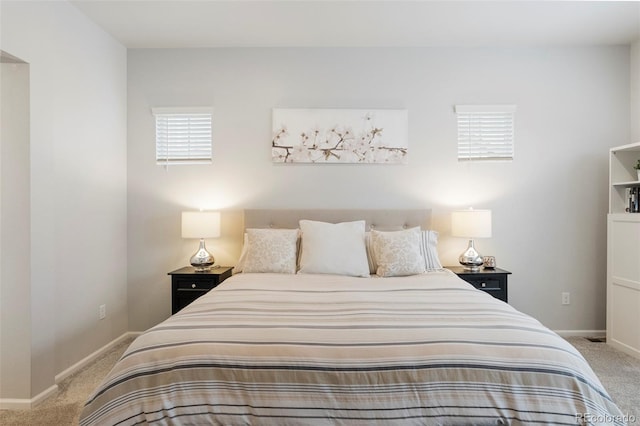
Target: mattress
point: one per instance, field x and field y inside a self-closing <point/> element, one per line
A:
<point x="279" y="349"/>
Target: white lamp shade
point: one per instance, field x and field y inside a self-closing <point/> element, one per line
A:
<point x="471" y="223"/>
<point x="200" y="224"/>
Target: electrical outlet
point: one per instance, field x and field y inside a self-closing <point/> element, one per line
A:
<point x="102" y="312"/>
<point x="566" y="298"/>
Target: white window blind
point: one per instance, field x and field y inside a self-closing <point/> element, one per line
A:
<point x="485" y="132"/>
<point x="183" y="135"/>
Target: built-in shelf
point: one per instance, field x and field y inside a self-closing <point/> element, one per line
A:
<point x="623" y="252"/>
<point x="622" y="175"/>
<point x="632" y="183"/>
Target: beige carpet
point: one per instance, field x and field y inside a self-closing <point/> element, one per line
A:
<point x="619" y="373"/>
<point x="64" y="408"/>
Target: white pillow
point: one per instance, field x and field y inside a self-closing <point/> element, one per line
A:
<point x="243" y="255"/>
<point x="398" y="253"/>
<point x="370" y="257"/>
<point x="329" y="248"/>
<point x="429" y="250"/>
<point x="271" y="250"/>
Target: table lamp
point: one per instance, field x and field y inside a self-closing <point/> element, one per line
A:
<point x="471" y="224"/>
<point x="201" y="225"/>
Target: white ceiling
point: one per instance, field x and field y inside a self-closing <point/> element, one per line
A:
<point x="271" y="23"/>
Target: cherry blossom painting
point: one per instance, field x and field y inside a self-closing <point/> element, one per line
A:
<point x="339" y="136"/>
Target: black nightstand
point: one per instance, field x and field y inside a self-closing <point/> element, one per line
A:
<point x="492" y="281"/>
<point x="187" y="284"/>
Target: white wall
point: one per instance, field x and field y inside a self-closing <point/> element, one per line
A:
<point x="549" y="204"/>
<point x="78" y="182"/>
<point x="15" y="238"/>
<point x="635" y="92"/>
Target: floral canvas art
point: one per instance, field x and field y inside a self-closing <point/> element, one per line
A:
<point x="339" y="136"/>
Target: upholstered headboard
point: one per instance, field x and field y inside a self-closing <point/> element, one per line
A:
<point x="375" y="219"/>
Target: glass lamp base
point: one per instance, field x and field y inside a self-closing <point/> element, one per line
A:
<point x="202" y="260"/>
<point x="471" y="259"/>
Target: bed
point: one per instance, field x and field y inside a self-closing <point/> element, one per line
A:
<point x="271" y="346"/>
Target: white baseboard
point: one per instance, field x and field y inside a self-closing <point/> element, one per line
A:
<point x="621" y="346"/>
<point x="581" y="333"/>
<point x="92" y="357"/>
<point x="27" y="404"/>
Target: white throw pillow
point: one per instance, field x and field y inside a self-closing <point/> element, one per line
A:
<point x="333" y="248"/>
<point x="243" y="255"/>
<point x="429" y="250"/>
<point x="271" y="250"/>
<point x="371" y="260"/>
<point x="398" y="253"/>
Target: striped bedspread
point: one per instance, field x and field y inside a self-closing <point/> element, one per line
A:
<point x="270" y="349"/>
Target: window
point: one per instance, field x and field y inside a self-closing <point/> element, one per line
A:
<point x="183" y="135"/>
<point x="485" y="132"/>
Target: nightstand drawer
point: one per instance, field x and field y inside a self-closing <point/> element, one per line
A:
<point x="491" y="281"/>
<point x="486" y="284"/>
<point x="195" y="283"/>
<point x="187" y="284"/>
<point x="494" y="286"/>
